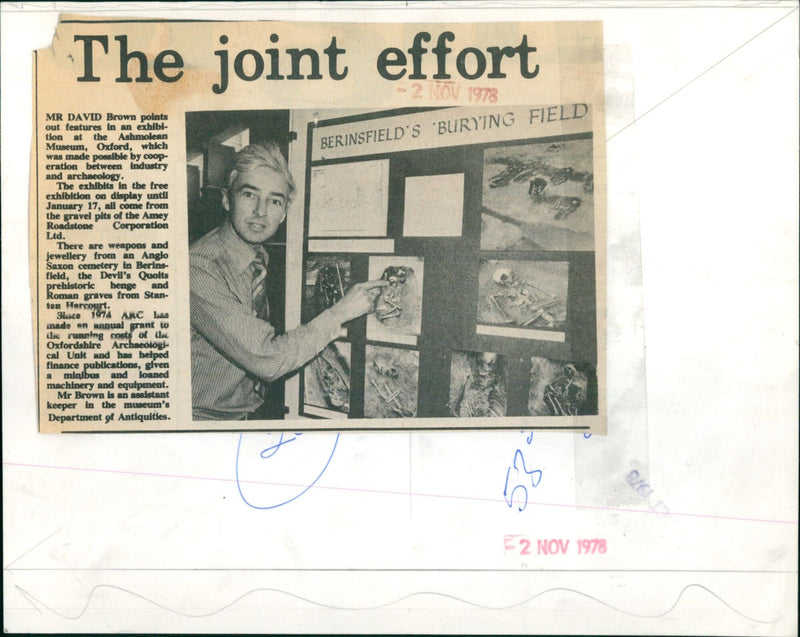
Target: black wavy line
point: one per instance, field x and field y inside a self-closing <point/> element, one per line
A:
<point x="396" y="601"/>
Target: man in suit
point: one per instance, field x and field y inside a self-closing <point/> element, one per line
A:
<point x="235" y="351"/>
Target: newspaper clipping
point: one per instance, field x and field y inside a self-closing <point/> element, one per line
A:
<point x="310" y="226"/>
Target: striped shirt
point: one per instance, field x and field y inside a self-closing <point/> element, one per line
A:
<point x="231" y="347"/>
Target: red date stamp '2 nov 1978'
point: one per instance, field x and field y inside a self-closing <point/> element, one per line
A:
<point x="558" y="546"/>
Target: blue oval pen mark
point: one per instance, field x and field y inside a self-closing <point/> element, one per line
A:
<point x="276" y="447"/>
<point x="587" y="436"/>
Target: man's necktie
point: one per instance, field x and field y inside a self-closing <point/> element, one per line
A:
<point x="259" y="270"/>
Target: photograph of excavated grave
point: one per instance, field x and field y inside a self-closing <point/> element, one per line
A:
<point x="326" y="281"/>
<point x="398" y="309"/>
<point x="390" y="382"/>
<point x="477" y="385"/>
<point x="559" y="388"/>
<point x="523" y="299"/>
<point x="326" y="381"/>
<point x="538" y="196"/>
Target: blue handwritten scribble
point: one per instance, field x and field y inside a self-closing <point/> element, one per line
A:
<point x="587" y="436"/>
<point x="270" y="452"/>
<point x="274" y="448"/>
<point x="535" y="476"/>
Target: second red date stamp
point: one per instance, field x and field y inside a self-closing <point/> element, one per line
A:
<point x="521" y="545"/>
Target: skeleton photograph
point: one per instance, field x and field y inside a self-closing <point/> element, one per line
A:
<point x="327" y="378"/>
<point x="398" y="308"/>
<point x="523" y="294"/>
<point x="562" y="389"/>
<point x="538" y="196"/>
<point x="477" y="385"/>
<point x="390" y="382"/>
<point x="327" y="279"/>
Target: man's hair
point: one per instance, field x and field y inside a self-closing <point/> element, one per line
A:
<point x="267" y="155"/>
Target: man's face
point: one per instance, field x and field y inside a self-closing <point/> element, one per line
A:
<point x="257" y="202"/>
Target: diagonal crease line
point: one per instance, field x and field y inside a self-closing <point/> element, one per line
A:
<point x="35" y="546"/>
<point x="29" y="598"/>
<point x="694" y="79"/>
<point x="390" y="492"/>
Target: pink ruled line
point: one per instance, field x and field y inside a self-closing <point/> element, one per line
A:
<point x="402" y="493"/>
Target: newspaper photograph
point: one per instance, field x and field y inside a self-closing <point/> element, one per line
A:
<point x="308" y="226"/>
